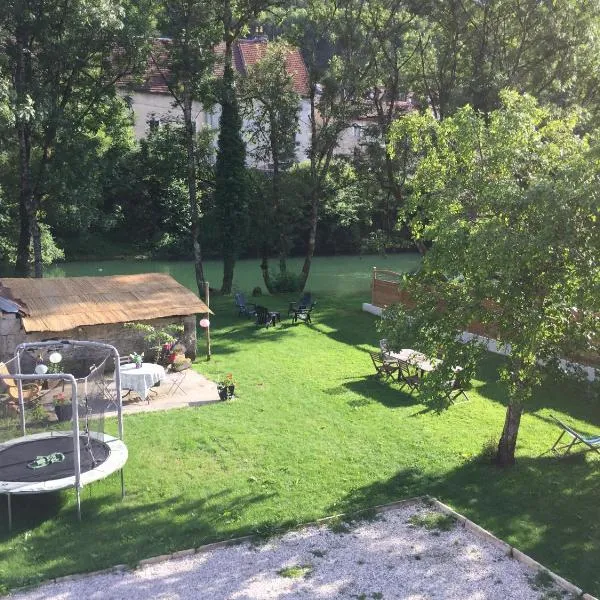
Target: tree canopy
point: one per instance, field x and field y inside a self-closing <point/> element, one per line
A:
<point x="509" y="206"/>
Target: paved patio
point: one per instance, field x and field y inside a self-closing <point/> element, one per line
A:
<point x="193" y="390"/>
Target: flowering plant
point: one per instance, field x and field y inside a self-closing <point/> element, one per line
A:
<point x="226" y="381"/>
<point x="60" y="399"/>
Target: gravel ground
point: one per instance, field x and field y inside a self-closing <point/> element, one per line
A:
<point x="402" y="554"/>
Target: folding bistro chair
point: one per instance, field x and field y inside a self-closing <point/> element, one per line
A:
<point x="177" y="373"/>
<point x="407" y="376"/>
<point x="574" y="438"/>
<point x="386" y="369"/>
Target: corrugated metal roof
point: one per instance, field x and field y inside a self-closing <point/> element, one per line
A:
<point x="8" y="306"/>
<point x="63" y="303"/>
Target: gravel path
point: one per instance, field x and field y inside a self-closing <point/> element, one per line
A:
<point x="403" y="554"/>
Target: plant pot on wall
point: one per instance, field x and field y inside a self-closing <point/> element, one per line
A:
<point x="64" y="412"/>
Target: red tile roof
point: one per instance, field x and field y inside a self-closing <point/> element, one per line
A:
<point x="245" y="54"/>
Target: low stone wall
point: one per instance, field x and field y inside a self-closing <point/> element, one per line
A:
<point x="126" y="340"/>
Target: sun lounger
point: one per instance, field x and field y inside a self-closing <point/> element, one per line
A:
<point x="574" y="438"/>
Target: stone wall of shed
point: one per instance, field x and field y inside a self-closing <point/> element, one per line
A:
<point x="126" y="340"/>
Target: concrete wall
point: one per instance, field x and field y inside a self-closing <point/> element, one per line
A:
<point x="126" y="340"/>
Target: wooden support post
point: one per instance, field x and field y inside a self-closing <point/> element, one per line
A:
<point x="207" y="296"/>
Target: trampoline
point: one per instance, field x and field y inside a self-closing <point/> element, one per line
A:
<point x="54" y="460"/>
<point x="104" y="455"/>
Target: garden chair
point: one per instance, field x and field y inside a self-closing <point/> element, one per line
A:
<point x="575" y="438"/>
<point x="264" y="317"/>
<point x="407" y="376"/>
<point x="455" y="390"/>
<point x="246" y="309"/>
<point x="305" y="302"/>
<point x="385" y="369"/>
<point x="177" y="372"/>
<point x="303" y="314"/>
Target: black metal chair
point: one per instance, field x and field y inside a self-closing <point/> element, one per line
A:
<point x="264" y="317"/>
<point x="303" y="314"/>
<point x="305" y="302"/>
<point x="246" y="309"/>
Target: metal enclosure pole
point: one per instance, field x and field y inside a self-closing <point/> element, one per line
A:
<point x="20" y="394"/>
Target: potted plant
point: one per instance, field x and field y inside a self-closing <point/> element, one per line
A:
<point x="226" y="387"/>
<point x="137" y="359"/>
<point x="62" y="407"/>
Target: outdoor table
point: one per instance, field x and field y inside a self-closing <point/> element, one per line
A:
<point x="416" y="359"/>
<point x="140" y="380"/>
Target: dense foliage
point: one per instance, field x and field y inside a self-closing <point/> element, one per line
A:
<point x="74" y="180"/>
<point x="510" y="205"/>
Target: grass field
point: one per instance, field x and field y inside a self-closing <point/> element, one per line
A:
<point x="312" y="433"/>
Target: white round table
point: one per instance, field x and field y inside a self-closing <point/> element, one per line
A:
<point x="142" y="379"/>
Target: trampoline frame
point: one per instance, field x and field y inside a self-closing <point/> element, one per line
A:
<point x="78" y="479"/>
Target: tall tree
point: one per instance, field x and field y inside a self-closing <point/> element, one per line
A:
<point x="392" y="45"/>
<point x="332" y="40"/>
<point x="271" y="107"/>
<point x="510" y="206"/>
<point x="474" y="49"/>
<point x="62" y="60"/>
<point x="231" y="188"/>
<point x="231" y="199"/>
<point x="189" y="61"/>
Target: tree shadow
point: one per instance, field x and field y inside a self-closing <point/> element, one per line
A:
<point x="546" y="507"/>
<point x="388" y="394"/>
<point x="118" y="531"/>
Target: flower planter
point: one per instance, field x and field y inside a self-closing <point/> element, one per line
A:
<point x="226" y="392"/>
<point x="64" y="412"/>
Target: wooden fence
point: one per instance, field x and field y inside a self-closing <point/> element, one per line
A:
<point x="385" y="291"/>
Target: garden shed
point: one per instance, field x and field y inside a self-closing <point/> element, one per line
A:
<point x="95" y="309"/>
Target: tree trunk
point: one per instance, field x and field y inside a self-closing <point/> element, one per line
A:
<point x="312" y="239"/>
<point x="228" y="267"/>
<point x="190" y="143"/>
<point x="26" y="206"/>
<point x="264" y="267"/>
<point x="23" y="263"/>
<point x="508" y="440"/>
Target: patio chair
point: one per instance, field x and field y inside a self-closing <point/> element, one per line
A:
<point x="407" y="376"/>
<point x="455" y="390"/>
<point x="385" y="369"/>
<point x="176" y="375"/>
<point x="245" y="309"/>
<point x="575" y="438"/>
<point x="305" y="302"/>
<point x="303" y="314"/>
<point x="264" y="316"/>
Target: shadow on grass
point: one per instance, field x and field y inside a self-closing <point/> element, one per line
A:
<point x="117" y="531"/>
<point x="544" y="506"/>
<point x="389" y="394"/>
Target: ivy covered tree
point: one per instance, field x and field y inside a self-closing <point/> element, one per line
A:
<point x="510" y="206"/>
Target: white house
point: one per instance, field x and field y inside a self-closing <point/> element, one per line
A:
<point x="152" y="103"/>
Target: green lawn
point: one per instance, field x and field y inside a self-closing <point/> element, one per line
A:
<point x="310" y="434"/>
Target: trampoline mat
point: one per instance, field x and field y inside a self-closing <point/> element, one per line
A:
<point x="14" y="459"/>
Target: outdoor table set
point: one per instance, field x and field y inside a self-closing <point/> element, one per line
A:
<point x="411" y="366"/>
<point x="141" y="379"/>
